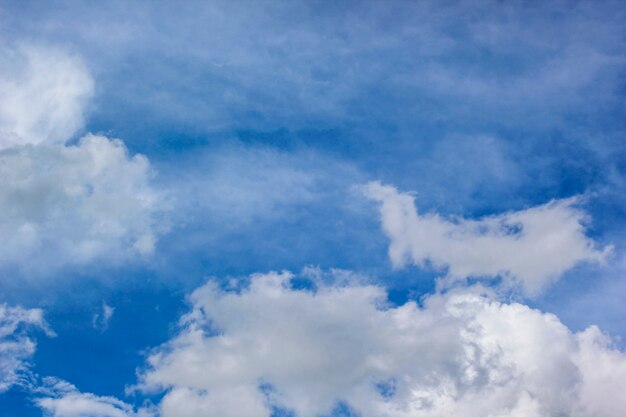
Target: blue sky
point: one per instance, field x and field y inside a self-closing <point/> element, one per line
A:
<point x="165" y="167"/>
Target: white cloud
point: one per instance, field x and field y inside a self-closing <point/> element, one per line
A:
<point x="461" y="354"/>
<point x="15" y="346"/>
<point x="43" y="92"/>
<point x="70" y="204"/>
<point x="232" y="401"/>
<point x="101" y="319"/>
<point x="64" y="400"/>
<point x="64" y="204"/>
<point x="531" y="247"/>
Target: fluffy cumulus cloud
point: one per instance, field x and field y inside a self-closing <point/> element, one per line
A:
<point x="73" y="203"/>
<point x="531" y="247"/>
<point x="43" y="93"/>
<point x="15" y="345"/>
<point x="64" y="204"/>
<point x="62" y="399"/>
<point x="268" y="346"/>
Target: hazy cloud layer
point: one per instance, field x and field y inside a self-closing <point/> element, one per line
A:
<point x="243" y="352"/>
<point x="284" y="63"/>
<point x="531" y="247"/>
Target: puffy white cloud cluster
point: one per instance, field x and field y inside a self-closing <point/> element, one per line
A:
<point x="15" y="345"/>
<point x="73" y="203"/>
<point x="461" y="354"/>
<point x="64" y="204"/>
<point x="531" y="247"/>
<point x="62" y="399"/>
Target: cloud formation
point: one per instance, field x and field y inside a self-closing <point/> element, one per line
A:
<point x="43" y="94"/>
<point x="531" y="247"/>
<point x="62" y="399"/>
<point x="101" y="319"/>
<point x="335" y="79"/>
<point x="15" y="345"/>
<point x="64" y="204"/>
<point x="269" y="346"/>
<point x="281" y="62"/>
<point x="71" y="204"/>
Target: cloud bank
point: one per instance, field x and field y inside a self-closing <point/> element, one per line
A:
<point x="269" y="346"/>
<point x="531" y="247"/>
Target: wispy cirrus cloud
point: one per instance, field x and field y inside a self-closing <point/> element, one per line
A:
<point x="16" y="347"/>
<point x="58" y="398"/>
<point x="101" y="319"/>
<point x="272" y="64"/>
